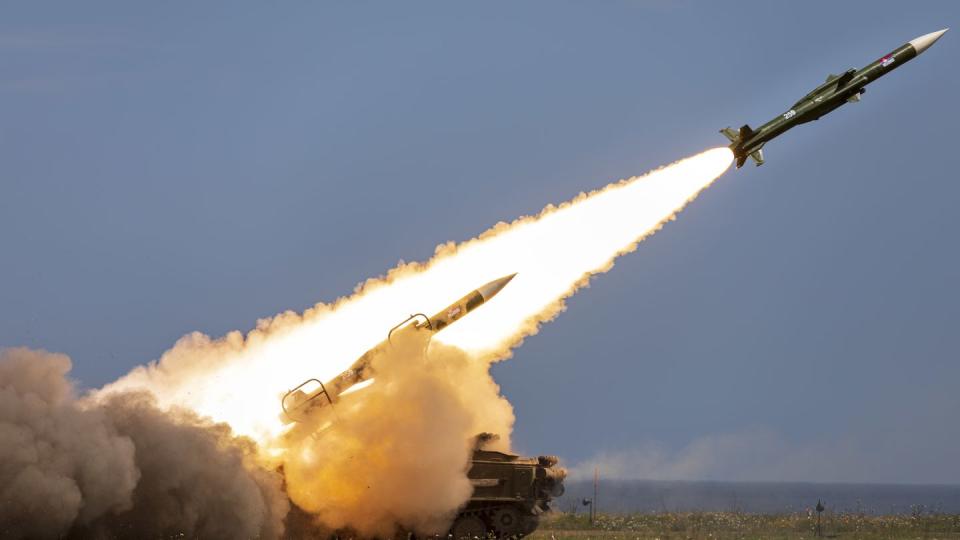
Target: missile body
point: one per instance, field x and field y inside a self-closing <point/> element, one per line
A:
<point x="835" y="92"/>
<point x="299" y="404"/>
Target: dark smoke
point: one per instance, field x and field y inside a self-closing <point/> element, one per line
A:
<point x="121" y="467"/>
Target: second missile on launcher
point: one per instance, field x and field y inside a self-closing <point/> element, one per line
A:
<point x="298" y="403"/>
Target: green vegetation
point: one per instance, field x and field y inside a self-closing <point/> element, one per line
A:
<point x="736" y="525"/>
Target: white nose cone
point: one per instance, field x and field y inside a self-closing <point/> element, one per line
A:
<point x="921" y="43"/>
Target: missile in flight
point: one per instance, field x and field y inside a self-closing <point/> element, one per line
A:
<point x="838" y="90"/>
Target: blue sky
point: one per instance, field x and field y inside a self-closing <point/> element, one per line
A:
<point x="170" y="168"/>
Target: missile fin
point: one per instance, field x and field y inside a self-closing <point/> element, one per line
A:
<point x="845" y="78"/>
<point x="730" y="134"/>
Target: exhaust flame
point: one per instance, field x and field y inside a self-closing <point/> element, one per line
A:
<point x="394" y="456"/>
<point x="238" y="379"/>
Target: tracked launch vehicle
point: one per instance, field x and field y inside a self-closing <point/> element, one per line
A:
<point x="509" y="493"/>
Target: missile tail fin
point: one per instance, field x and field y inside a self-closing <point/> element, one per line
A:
<point x="730" y="134"/>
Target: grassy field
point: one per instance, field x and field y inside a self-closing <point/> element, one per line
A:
<point x="736" y="525"/>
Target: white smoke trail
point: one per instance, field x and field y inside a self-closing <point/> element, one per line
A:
<point x="239" y="379"/>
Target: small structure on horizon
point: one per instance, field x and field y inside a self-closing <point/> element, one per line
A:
<point x="819" y="508"/>
<point x="592" y="503"/>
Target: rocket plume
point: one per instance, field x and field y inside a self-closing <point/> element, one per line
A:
<point x="412" y="426"/>
<point x="238" y="379"/>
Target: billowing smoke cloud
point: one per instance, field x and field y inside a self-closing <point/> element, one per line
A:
<point x="121" y="467"/>
<point x="397" y="455"/>
<point x="59" y="465"/>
